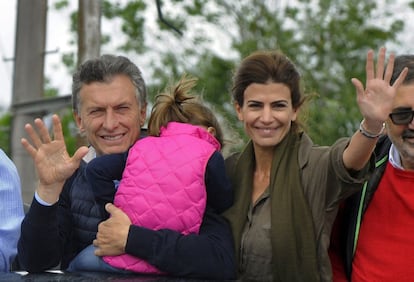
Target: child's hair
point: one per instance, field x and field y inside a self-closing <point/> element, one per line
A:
<point x="177" y="104"/>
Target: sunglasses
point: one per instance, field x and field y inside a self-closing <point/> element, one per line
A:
<point x="402" y="118"/>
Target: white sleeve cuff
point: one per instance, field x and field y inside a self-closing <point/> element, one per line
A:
<point x="40" y="201"/>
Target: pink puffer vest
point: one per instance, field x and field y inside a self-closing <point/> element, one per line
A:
<point x="163" y="184"/>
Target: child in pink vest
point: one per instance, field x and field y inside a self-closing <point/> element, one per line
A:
<point x="168" y="178"/>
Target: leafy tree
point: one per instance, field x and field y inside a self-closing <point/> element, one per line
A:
<point x="327" y="40"/>
<point x="336" y="47"/>
<point x="328" y="55"/>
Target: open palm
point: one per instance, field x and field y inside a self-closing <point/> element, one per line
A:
<point x="52" y="161"/>
<point x="375" y="101"/>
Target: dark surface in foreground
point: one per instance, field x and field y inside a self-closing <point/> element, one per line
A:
<point x="88" y="276"/>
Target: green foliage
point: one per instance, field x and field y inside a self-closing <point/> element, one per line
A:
<point x="327" y="40"/>
<point x="61" y="4"/>
<point x="215" y="87"/>
<point x="336" y="47"/>
<point x="5" y="122"/>
<point x="68" y="59"/>
<point x="70" y="130"/>
<point x="49" y="90"/>
<point x="133" y="22"/>
<point x="132" y="15"/>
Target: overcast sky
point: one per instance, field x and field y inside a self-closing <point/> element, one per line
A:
<point x="7" y="22"/>
<point x="58" y="37"/>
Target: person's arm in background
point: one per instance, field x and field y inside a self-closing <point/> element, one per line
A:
<point x="101" y="173"/>
<point x="208" y="255"/>
<point x="218" y="185"/>
<point x="11" y="211"/>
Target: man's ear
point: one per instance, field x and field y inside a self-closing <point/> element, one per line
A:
<point x="78" y="121"/>
<point x="143" y="115"/>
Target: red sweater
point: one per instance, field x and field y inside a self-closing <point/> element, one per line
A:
<point x="385" y="248"/>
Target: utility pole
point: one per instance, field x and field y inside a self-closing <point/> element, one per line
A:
<point x="89" y="35"/>
<point x="28" y="81"/>
<point x="89" y="30"/>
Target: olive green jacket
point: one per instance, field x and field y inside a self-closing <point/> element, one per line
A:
<point x="325" y="182"/>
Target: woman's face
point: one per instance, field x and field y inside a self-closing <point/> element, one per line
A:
<point x="266" y="113"/>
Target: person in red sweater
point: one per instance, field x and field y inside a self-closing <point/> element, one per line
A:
<point x="379" y="220"/>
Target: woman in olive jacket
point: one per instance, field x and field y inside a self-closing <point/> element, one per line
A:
<point x="287" y="189"/>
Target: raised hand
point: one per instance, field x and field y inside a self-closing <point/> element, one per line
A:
<point x="52" y="161"/>
<point x="375" y="100"/>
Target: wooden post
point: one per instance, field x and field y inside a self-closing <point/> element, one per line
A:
<point x="89" y="30"/>
<point x="89" y="34"/>
<point x="28" y="80"/>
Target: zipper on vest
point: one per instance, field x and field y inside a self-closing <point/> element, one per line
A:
<point x="361" y="205"/>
